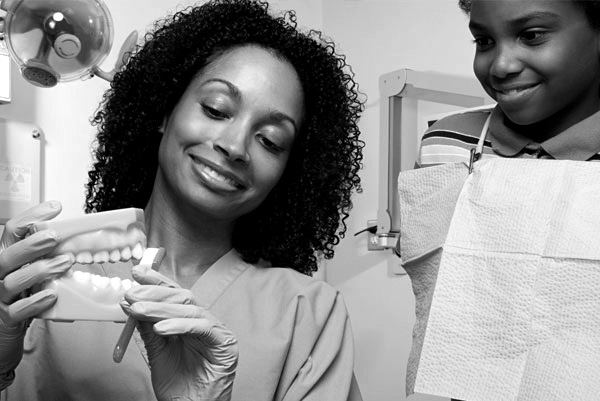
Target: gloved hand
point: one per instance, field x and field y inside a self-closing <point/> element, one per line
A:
<point x="21" y="267"/>
<point x="192" y="355"/>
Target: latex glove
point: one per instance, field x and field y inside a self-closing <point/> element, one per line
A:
<point x="21" y="267"/>
<point x="192" y="355"/>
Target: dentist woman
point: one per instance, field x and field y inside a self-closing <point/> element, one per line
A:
<point x="237" y="134"/>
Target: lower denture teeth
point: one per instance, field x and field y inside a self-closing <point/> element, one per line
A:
<point x="81" y="277"/>
<point x="100" y="281"/>
<point x="115" y="283"/>
<point x="126" y="284"/>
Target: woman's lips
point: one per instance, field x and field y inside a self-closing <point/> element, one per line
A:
<point x="216" y="176"/>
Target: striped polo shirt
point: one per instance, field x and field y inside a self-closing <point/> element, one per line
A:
<point x="451" y="138"/>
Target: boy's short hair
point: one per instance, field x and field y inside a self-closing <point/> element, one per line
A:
<point x="591" y="8"/>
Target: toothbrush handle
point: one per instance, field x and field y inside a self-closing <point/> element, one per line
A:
<point x="124" y="340"/>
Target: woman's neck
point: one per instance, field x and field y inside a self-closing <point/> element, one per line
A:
<point x="192" y="242"/>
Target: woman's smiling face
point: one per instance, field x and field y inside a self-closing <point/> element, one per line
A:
<point x="228" y="139"/>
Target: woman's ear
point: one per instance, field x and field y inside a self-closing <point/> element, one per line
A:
<point x="163" y="126"/>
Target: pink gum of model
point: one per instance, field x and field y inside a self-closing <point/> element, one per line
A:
<point x="99" y="237"/>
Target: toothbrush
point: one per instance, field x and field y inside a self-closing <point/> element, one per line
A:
<point x="152" y="257"/>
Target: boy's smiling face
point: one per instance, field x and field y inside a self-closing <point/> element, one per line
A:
<point x="539" y="59"/>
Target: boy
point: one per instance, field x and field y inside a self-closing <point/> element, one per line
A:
<point x="540" y="61"/>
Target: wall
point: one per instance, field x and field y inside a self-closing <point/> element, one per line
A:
<point x="379" y="36"/>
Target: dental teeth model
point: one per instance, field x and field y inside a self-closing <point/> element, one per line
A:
<point x="116" y="235"/>
<point x="99" y="237"/>
<point x="85" y="296"/>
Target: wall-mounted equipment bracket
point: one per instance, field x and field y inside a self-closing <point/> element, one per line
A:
<point x="400" y="92"/>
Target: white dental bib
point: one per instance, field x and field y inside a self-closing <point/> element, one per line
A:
<point x="515" y="310"/>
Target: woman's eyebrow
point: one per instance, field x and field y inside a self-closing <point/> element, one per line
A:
<point x="274" y="115"/>
<point x="278" y="116"/>
<point x="231" y="87"/>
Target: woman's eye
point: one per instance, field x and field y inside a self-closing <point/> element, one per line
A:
<point x="483" y="43"/>
<point x="269" y="144"/>
<point x="214" y="113"/>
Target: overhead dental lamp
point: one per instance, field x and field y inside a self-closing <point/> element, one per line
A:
<point x="56" y="41"/>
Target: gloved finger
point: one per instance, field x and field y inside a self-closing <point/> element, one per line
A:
<point x="10" y="334"/>
<point x="27" y="250"/>
<point x="154" y="343"/>
<point x="17" y="228"/>
<point x="32" y="274"/>
<point x="215" y="342"/>
<point x="154" y="293"/>
<point x="212" y="332"/>
<point x="11" y="345"/>
<point x="27" y="307"/>
<point x="156" y="311"/>
<point x="145" y="275"/>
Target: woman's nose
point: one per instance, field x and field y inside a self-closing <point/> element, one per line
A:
<point x="505" y="61"/>
<point x="232" y="143"/>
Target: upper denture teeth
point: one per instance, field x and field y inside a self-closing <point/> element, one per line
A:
<point x="84" y="257"/>
<point x="101" y="257"/>
<point x="126" y="253"/>
<point x="137" y="252"/>
<point x="115" y="255"/>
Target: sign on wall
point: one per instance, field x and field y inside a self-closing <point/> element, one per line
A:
<point x="5" y="67"/>
<point x="20" y="167"/>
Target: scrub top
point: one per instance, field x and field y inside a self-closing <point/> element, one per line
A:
<point x="293" y="331"/>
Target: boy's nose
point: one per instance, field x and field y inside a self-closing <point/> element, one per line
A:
<point x="232" y="143"/>
<point x="505" y="62"/>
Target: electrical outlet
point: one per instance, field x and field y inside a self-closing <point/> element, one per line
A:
<point x="372" y="238"/>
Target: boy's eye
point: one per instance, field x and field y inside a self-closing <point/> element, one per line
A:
<point x="533" y="37"/>
<point x="214" y="113"/>
<point x="483" y="43"/>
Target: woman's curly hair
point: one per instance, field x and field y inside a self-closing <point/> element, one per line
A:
<point x="304" y="215"/>
<point x="591" y="8"/>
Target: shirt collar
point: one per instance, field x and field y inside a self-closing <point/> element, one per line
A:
<point x="578" y="142"/>
<point x="215" y="281"/>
